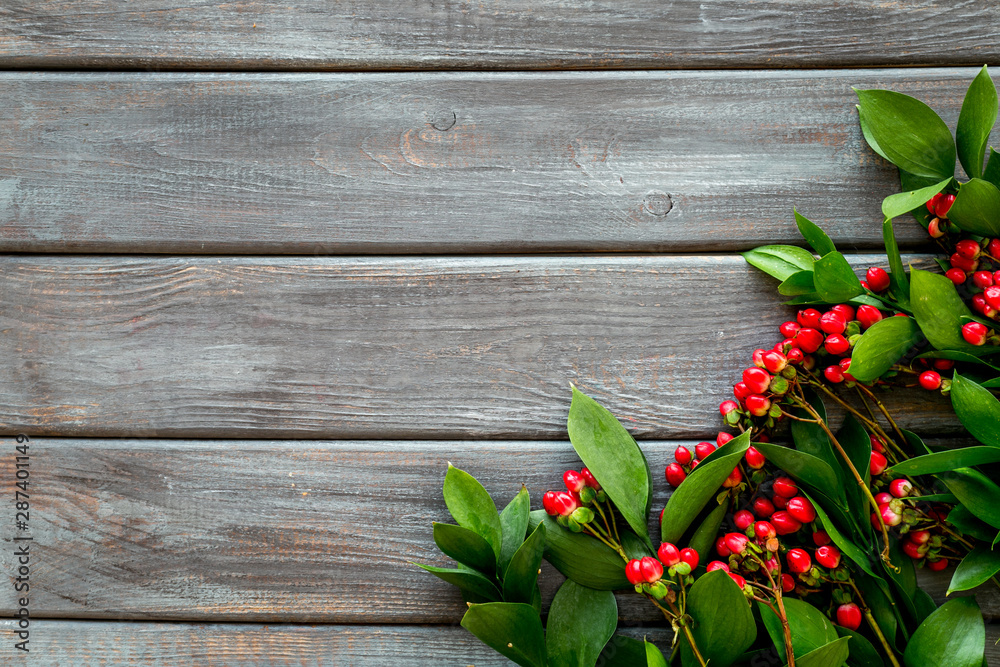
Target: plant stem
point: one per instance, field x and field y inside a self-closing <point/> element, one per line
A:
<point x="685" y="628"/>
<point x="885" y="413"/>
<point x="614" y="522"/>
<point x="874" y="625"/>
<point x="782" y="616"/>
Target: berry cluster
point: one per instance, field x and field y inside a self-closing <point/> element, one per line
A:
<point x="685" y="462"/>
<point x="924" y="536"/>
<point x="574" y="508"/>
<point x="646" y="573"/>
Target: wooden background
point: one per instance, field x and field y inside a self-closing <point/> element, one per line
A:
<point x="268" y="268"/>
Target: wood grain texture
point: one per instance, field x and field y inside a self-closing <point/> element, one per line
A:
<point x="271" y="530"/>
<point x="517" y="34"/>
<point x="444" y="162"/>
<point x="103" y="643"/>
<point x="383" y="347"/>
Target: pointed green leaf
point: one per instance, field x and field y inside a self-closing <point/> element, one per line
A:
<point x="975" y="569"/>
<point x="955" y="355"/>
<point x="521" y="575"/>
<point x="899" y="286"/>
<point x="654" y="656"/>
<point x="885" y="343"/>
<point x="908" y="183"/>
<point x="513" y="526"/>
<point x="703" y="538"/>
<point x="467" y="580"/>
<point x="910" y="134"/>
<point x="976" y="492"/>
<point x="805" y="469"/>
<point x="886" y="613"/>
<point x="622" y="651"/>
<point x="856" y="442"/>
<point x="723" y="622"/>
<point x="810" y="628"/>
<point x="780" y="261"/>
<point x="512" y="629"/>
<point x="939" y="310"/>
<point x="953" y="636"/>
<point x="977" y="208"/>
<point x="797" y="283"/>
<point x="902" y="203"/>
<point x="688" y="499"/>
<point x="978" y="410"/>
<point x="814" y="236"/>
<point x="858" y="555"/>
<point x="466" y="547"/>
<point x="867" y="134"/>
<point x="471" y="506"/>
<point x="810" y="438"/>
<point x="930" y="464"/>
<point x="581" y="557"/>
<point x="833" y="654"/>
<point x="968" y="524"/>
<point x="835" y="279"/>
<point x="862" y="653"/>
<point x="581" y="621"/>
<point x="975" y="122"/>
<point x="992" y="172"/>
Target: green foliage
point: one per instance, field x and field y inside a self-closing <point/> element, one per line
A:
<point x="581" y="621"/>
<point x="953" y="636"/>
<point x="884" y="344"/>
<point x="723" y="623"/>
<point x="511" y="629"/>
<point x="907" y="133"/>
<point x="977" y="409"/>
<point x="471" y="506"/>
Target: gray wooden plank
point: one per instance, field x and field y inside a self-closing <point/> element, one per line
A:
<point x="516" y="34"/>
<point x="383" y="347"/>
<point x="269" y="530"/>
<point x="443" y="162"/>
<point x="146" y="644"/>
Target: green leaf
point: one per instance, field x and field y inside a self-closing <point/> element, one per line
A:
<point x="858" y="445"/>
<point x="862" y="653"/>
<point x="797" y="283"/>
<point x="885" y="343"/>
<point x="654" y="656"/>
<point x="467" y="580"/>
<point x="992" y="173"/>
<point x="521" y="576"/>
<point x="953" y="636"/>
<point x="723" y="622"/>
<point x="613" y="457"/>
<point x="939" y="310"/>
<point x="581" y="621"/>
<point x="703" y="538"/>
<point x="835" y="279"/>
<point x="471" y="506"/>
<point x="899" y="286"/>
<point x="780" y="261"/>
<point x="977" y="208"/>
<point x="624" y="651"/>
<point x="947" y="460"/>
<point x="512" y="629"/>
<point x="955" y="355"/>
<point x="902" y="203"/>
<point x="687" y="501"/>
<point x="968" y="524"/>
<point x="466" y="547"/>
<point x="580" y="557"/>
<point x="975" y="569"/>
<point x="814" y="236"/>
<point x="867" y="134"/>
<point x="884" y="610"/>
<point x="909" y="133"/>
<point x="810" y="438"/>
<point x="833" y="654"/>
<point x="975" y="122"/>
<point x="804" y="468"/>
<point x="810" y="628"/>
<point x="855" y="553"/>
<point x="977" y="409"/>
<point x="976" y="492"/>
<point x="513" y="526"/>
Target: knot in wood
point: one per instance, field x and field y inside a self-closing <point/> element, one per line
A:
<point x="443" y="120"/>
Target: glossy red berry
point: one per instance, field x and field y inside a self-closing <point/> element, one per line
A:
<point x="828" y="557"/>
<point x="936" y="228"/>
<point x="877" y="464"/>
<point x="691" y="557"/>
<point x="845" y="310"/>
<point x="716" y="565"/>
<point x="668" y="554"/>
<point x="849" y="616"/>
<point x="728" y="406"/>
<point x="836" y="344"/>
<point x="955" y="275"/>
<point x="743" y="519"/>
<point x="992" y="296"/>
<point x="889" y="516"/>
<point x="794" y="355"/>
<point x="876" y="444"/>
<point x="785" y="487"/>
<point x="549" y="503"/>
<point x="809" y="339"/>
<point x="878" y="279"/>
<point x="963" y="263"/>
<point x="565" y="503"/>
<point x="784" y="523"/>
<point x="937" y="565"/>
<point x="736" y="542"/>
<point x="652" y="569"/>
<point x="799" y="561"/>
<point x="968" y="248"/>
<point x="740" y="581"/>
<point x="832" y="323"/>
<point x="763" y="508"/>
<point x="821" y="538"/>
<point x="942" y="205"/>
<point x="633" y="572"/>
<point x="758" y="358"/>
<point x="787" y="583"/>
<point x="930" y="380"/>
<point x="868" y="315"/>
<point x="758" y="405"/>
<point x="801" y="509"/>
<point x="741" y="391"/>
<point x="764" y="530"/>
<point x="788" y="329"/>
<point x="682" y="455"/>
<point x="735" y="477"/>
<point x="982" y="306"/>
<point x="779" y="501"/>
<point x="574" y="481"/>
<point x="914" y="550"/>
<point x="993" y="248"/>
<point x="900" y="487"/>
<point x="754" y="458"/>
<point x="920" y="536"/>
<point x="703" y="449"/>
<point x="833" y="374"/>
<point x="675" y="475"/>
<point x="722" y="438"/>
<point x="809" y="318"/>
<point x="974" y="333"/>
<point x="589" y="478"/>
<point x="775" y="362"/>
<point x="982" y="279"/>
<point x="883" y="498"/>
<point x="756" y="379"/>
<point x="721" y="548"/>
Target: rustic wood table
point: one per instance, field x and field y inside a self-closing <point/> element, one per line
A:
<point x="268" y="267"/>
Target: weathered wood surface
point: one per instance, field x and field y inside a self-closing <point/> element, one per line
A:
<point x="515" y="34"/>
<point x="443" y="162"/>
<point x="270" y="530"/>
<point x="98" y="644"/>
<point x="383" y="347"/>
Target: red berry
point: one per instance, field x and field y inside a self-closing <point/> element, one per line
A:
<point x="878" y="279"/>
<point x="740" y="581"/>
<point x="722" y="438"/>
<point x="883" y="498"/>
<point x="900" y="488"/>
<point x="936" y="228"/>
<point x="801" y="509"/>
<point x="565" y="503"/>
<point x="716" y="565"/>
<point x="808" y="362"/>
<point x="821" y="538"/>
<point x="828" y="557"/>
<point x="864" y="284"/>
<point x="783" y="347"/>
<point x="754" y="458"/>
<point x="574" y="481"/>
<point x="963" y="263"/>
<point x="981" y="306"/>
<point x="993" y="248"/>
<point x="590" y="479"/>
<point x="784" y="523"/>
<point x="675" y="475"/>
<point x="832" y="323"/>
<point x="772" y="565"/>
<point x="992" y="296"/>
<point x="868" y="315"/>
<point x="943" y="205"/>
<point x="794" y="355"/>
<point x="876" y="444"/>
<point x="914" y="550"/>
<point x="877" y="464"/>
<point x="758" y="405"/>
<point x="956" y="276"/>
<point x="809" y="318"/>
<point x="834" y="374"/>
<point x="721" y="548"/>
<point x="549" y="503"/>
<point x="849" y="616"/>
<point x="633" y="572"/>
<point x="736" y="542"/>
<point x="889" y="517"/>
<point x="937" y="565"/>
<point x="651" y="568"/>
<point x="967" y="248"/>
<point x="728" y="406"/>
<point x="741" y="391"/>
<point x="743" y="519"/>
<point x="735" y="477"/>
<point x="933" y="202"/>
<point x="982" y="279"/>
<point x="930" y="380"/>
<point x="757" y="380"/>
<point x="682" y="455"/>
<point x="691" y="557"/>
<point x="775" y="361"/>
<point x="974" y="333"/>
<point x="764" y="530"/>
<point x="785" y="486"/>
<point x="920" y="536"/>
<point x="798" y="561"/>
<point x="808" y="339"/>
<point x="836" y="344"/>
<point x="845" y="310"/>
<point x="703" y="449"/>
<point x="788" y="329"/>
<point x="668" y="554"/>
<point x="763" y="508"/>
<point x="787" y="583"/>
<point x="780" y="501"/>
<point x="758" y="358"/>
